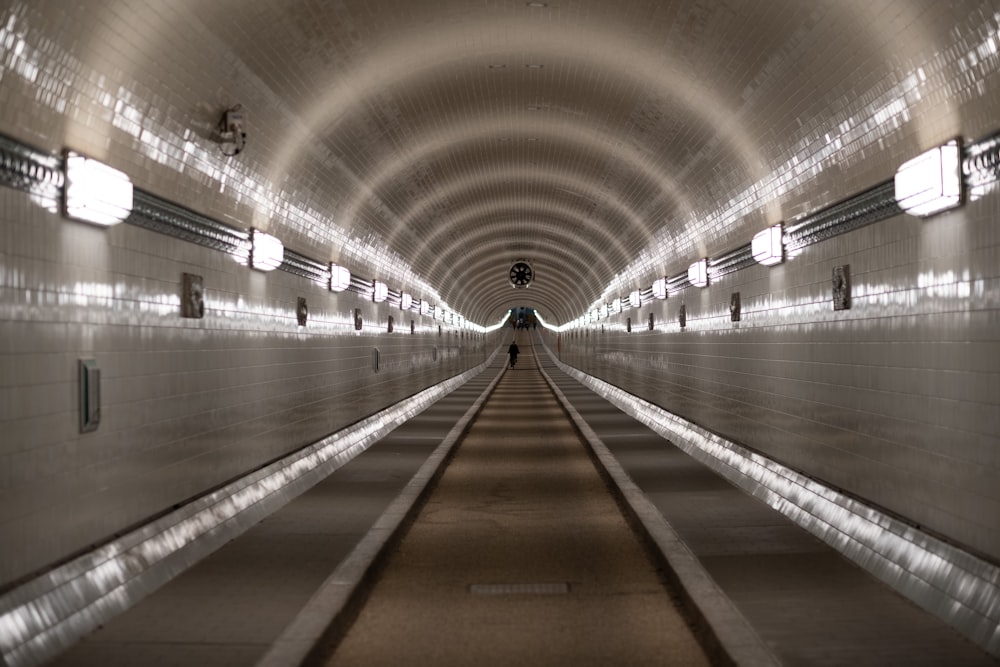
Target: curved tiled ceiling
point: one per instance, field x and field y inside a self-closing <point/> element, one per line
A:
<point x="570" y="133"/>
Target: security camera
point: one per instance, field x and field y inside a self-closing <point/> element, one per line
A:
<point x="232" y="132"/>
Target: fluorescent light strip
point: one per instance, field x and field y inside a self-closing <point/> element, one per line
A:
<point x="48" y="614"/>
<point x="954" y="585"/>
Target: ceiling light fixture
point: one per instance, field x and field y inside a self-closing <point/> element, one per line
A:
<point x="931" y="182"/>
<point x="340" y="278"/>
<point x="660" y="288"/>
<point x="95" y="192"/>
<point x="766" y="246"/>
<point x="380" y="291"/>
<point x="266" y="251"/>
<point x="698" y="273"/>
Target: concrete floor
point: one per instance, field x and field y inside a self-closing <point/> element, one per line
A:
<point x="520" y="556"/>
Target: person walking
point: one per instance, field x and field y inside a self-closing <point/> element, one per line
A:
<point x="512" y="351"/>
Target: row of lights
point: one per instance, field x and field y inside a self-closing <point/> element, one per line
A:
<point x="101" y="195"/>
<point x="96" y="193"/>
<point x="928" y="184"/>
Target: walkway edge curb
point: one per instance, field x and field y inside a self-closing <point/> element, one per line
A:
<point x="302" y="637"/>
<point x="735" y="641"/>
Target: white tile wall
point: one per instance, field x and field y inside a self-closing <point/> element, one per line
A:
<point x="186" y="404"/>
<point x="896" y="400"/>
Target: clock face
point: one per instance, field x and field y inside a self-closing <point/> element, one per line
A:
<point x="521" y="274"/>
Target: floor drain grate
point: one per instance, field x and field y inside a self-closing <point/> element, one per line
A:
<point x="519" y="589"/>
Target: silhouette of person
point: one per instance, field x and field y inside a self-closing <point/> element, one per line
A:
<point x="512" y="351"/>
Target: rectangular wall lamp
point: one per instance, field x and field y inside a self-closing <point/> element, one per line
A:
<point x="95" y="192"/>
<point x="660" y="288"/>
<point x="405" y="301"/>
<point x="698" y="273"/>
<point x="340" y="278"/>
<point x="634" y="300"/>
<point x="766" y="246"/>
<point x="266" y="251"/>
<point x="931" y="182"/>
<point x="380" y="291"/>
<point x="425" y="308"/>
<point x="616" y="305"/>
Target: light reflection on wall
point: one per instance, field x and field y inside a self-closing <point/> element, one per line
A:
<point x="182" y="150"/>
<point x="855" y="132"/>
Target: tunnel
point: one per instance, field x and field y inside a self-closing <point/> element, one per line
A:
<point x="246" y="243"/>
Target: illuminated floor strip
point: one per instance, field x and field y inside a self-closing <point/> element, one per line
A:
<point x="46" y="615"/>
<point x="959" y="588"/>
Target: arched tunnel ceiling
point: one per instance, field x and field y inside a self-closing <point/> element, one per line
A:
<point x="572" y="133"/>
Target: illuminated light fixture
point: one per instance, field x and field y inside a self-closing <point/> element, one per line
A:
<point x="405" y="301"/>
<point x="266" y="251"/>
<point x="660" y="288"/>
<point x="931" y="182"/>
<point x="594" y="315"/>
<point x="425" y="308"/>
<point x="95" y="192"/>
<point x="766" y="246"/>
<point x="634" y="300"/>
<point x="698" y="273"/>
<point x="604" y="310"/>
<point x="438" y="312"/>
<point x="340" y="278"/>
<point x="380" y="291"/>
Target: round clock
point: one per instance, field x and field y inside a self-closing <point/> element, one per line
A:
<point x="521" y="274"/>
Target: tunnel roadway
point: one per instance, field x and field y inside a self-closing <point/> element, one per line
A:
<point x="519" y="553"/>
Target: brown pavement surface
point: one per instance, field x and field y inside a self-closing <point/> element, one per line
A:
<point x="520" y="556"/>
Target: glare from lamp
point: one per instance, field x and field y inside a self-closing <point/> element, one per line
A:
<point x="266" y="251"/>
<point x="766" y="246"/>
<point x="931" y="182"/>
<point x="95" y="192"/>
<point x="698" y="273"/>
<point x="340" y="278"/>
<point x="660" y="288"/>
